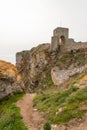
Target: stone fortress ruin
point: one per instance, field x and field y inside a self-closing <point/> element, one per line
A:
<point x="61" y="41"/>
<point x="35" y="64"/>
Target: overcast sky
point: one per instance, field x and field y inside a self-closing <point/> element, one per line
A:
<point x="27" y="23"/>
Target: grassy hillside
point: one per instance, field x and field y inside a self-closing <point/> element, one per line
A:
<point x="10" y="118"/>
<point x="60" y="107"/>
<point x="63" y="61"/>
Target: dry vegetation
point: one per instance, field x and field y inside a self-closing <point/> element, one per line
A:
<point x="7" y="69"/>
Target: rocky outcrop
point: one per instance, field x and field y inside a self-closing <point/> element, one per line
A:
<point x="36" y="64"/>
<point x="60" y="76"/>
<point x="31" y="65"/>
<point x="10" y="80"/>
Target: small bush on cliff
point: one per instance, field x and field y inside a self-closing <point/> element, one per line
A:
<point x="47" y="126"/>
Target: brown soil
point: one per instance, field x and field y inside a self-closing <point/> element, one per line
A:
<point x="32" y="118"/>
<point x="74" y="124"/>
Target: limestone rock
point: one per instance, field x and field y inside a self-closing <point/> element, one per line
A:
<point x="9" y="79"/>
<point x="60" y="76"/>
<point x="31" y="64"/>
<point x="38" y="64"/>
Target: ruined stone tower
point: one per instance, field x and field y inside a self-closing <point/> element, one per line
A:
<point x="59" y="38"/>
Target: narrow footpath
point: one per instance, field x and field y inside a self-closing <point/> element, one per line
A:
<point x="34" y="120"/>
<point x="31" y="117"/>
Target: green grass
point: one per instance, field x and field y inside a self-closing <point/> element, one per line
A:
<point x="68" y="100"/>
<point x="48" y="81"/>
<point x="10" y="118"/>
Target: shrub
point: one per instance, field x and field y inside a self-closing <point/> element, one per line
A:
<point x="47" y="126"/>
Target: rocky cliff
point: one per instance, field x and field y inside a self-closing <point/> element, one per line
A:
<point x="10" y="80"/>
<point x="36" y="64"/>
<point x="31" y="65"/>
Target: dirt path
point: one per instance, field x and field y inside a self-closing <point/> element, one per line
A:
<point x="32" y="118"/>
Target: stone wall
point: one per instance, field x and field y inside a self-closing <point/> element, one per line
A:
<point x="61" y="31"/>
<point x="54" y="40"/>
<point x="75" y="46"/>
<point x="68" y="45"/>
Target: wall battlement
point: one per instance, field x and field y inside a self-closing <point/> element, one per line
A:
<point x="61" y="40"/>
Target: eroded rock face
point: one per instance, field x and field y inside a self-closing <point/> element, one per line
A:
<point x="32" y="63"/>
<point x="36" y="64"/>
<point x="10" y="80"/>
<point x="60" y="76"/>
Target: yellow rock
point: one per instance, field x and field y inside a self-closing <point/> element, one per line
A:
<point x="7" y="70"/>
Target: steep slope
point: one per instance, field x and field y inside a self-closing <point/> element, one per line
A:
<point x="31" y="65"/>
<point x="35" y="65"/>
<point x="68" y="108"/>
<point x="10" y="80"/>
<point x="63" y="102"/>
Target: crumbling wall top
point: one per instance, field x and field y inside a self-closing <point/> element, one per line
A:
<point x="61" y="31"/>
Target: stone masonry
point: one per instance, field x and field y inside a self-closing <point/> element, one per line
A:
<point x="61" y="41"/>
